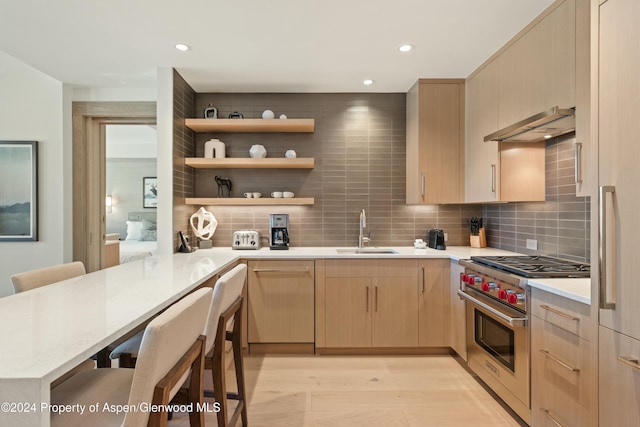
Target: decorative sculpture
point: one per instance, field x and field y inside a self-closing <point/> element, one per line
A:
<point x="205" y="225"/>
<point x="222" y="184"/>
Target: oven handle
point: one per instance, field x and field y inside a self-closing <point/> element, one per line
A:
<point x="513" y="321"/>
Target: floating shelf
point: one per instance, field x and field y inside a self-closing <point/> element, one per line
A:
<point x="265" y="201"/>
<point x="249" y="163"/>
<point x="251" y="125"/>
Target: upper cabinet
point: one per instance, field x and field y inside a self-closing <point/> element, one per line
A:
<point x="435" y="142"/>
<point x="538" y="70"/>
<point x="532" y="73"/>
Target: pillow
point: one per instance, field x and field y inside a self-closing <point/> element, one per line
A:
<point x="149" y="225"/>
<point x="134" y="229"/>
<point x="149" y="235"/>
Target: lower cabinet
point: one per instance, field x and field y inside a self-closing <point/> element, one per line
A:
<point x="619" y="379"/>
<point x="281" y="301"/>
<point x="370" y="303"/>
<point x="458" y="319"/>
<point x="433" y="309"/>
<point x="562" y="366"/>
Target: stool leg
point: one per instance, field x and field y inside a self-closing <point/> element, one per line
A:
<point x="219" y="385"/>
<point x="239" y="366"/>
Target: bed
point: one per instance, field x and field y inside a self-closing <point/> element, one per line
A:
<point x="141" y="239"/>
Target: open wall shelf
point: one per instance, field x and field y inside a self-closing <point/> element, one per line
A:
<point x="249" y="163"/>
<point x="251" y="125"/>
<point x="240" y="201"/>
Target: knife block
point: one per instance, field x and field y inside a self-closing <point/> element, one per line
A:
<point x="479" y="241"/>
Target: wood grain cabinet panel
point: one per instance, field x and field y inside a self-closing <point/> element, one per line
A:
<point x="458" y="316"/>
<point x="433" y="296"/>
<point x="562" y="362"/>
<point x="435" y="141"/>
<point x="371" y="303"/>
<point x="281" y="301"/>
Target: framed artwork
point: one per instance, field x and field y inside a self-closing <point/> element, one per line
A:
<point x="19" y="191"/>
<point x="150" y="192"/>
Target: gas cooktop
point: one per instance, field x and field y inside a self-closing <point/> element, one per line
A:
<point x="535" y="266"/>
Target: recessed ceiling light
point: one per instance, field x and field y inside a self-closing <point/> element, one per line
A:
<point x="548" y="137"/>
<point x="368" y="82"/>
<point x="405" y="48"/>
<point x="182" y="47"/>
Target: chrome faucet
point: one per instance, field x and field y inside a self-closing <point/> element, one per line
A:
<point x="363" y="224"/>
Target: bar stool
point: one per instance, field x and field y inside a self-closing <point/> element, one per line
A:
<point x="224" y="324"/>
<point x="171" y="350"/>
<point x="45" y="276"/>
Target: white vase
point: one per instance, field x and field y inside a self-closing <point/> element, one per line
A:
<point x="268" y="114"/>
<point x="257" y="152"/>
<point x="214" y="148"/>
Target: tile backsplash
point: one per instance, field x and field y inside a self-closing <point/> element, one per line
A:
<point x="359" y="150"/>
<point x="560" y="224"/>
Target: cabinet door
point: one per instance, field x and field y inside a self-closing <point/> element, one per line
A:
<point x="434" y="303"/>
<point x="458" y="312"/>
<point x="435" y="141"/>
<point x="348" y="302"/>
<point x="395" y="312"/>
<point x="281" y="301"/>
<point x="619" y="381"/>
<point x="619" y="151"/>
<point x="481" y="158"/>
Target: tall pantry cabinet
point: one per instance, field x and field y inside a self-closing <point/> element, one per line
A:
<point x="617" y="111"/>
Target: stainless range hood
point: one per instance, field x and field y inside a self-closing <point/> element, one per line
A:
<point x="548" y="124"/>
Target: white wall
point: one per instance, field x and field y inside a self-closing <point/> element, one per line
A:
<point x="32" y="108"/>
<point x="165" y="160"/>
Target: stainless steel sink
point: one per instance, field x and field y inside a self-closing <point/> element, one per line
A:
<point x="366" y="251"/>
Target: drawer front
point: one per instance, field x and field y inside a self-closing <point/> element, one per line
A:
<point x="567" y="314"/>
<point x="562" y="373"/>
<point x="619" y="379"/>
<point x="371" y="268"/>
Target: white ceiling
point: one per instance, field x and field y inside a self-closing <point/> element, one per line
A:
<point x="260" y="46"/>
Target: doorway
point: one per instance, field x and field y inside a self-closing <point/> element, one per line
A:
<point x="90" y="121"/>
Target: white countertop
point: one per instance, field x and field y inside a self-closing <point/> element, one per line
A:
<point x="574" y="289"/>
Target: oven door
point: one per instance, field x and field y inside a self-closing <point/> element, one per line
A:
<point x="498" y="351"/>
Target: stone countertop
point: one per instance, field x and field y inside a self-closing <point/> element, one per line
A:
<point x="574" y="289"/>
<point x="577" y="289"/>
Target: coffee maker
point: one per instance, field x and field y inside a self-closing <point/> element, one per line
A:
<point x="279" y="231"/>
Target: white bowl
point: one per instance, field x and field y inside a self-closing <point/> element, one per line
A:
<point x="288" y="194"/>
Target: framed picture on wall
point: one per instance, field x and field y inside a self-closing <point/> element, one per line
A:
<point x="150" y="192"/>
<point x="18" y="191"/>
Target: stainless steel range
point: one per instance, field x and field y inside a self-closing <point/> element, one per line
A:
<point x="497" y="319"/>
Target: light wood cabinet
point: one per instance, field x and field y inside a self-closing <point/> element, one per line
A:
<point x="585" y="151"/>
<point x="281" y="301"/>
<point x="433" y="311"/>
<point x="435" y="142"/>
<point x="370" y="303"/>
<point x="538" y="69"/>
<point x="562" y="361"/>
<point x="534" y="72"/>
<point x="619" y="379"/>
<point x="458" y="315"/>
<point x="482" y="166"/>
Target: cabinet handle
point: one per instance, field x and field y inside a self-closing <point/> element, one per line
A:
<point x="577" y="156"/>
<point x="558" y="361"/>
<point x="367" y="307"/>
<point x="551" y="417"/>
<point x="602" y="247"/>
<point x="493" y="178"/>
<point x="559" y="313"/>
<point x="422" y="181"/>
<point x="376" y="299"/>
<point x="423" y="279"/>
<point x="281" y="270"/>
<point x="630" y="361"/>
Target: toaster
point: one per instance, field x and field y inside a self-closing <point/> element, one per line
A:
<point x="246" y="239"/>
<point x="435" y="239"/>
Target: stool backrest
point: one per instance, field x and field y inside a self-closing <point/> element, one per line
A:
<point x="166" y="339"/>
<point x="226" y="291"/>
<point x="46" y="276"/>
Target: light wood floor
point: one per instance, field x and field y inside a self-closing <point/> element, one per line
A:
<point x="363" y="391"/>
